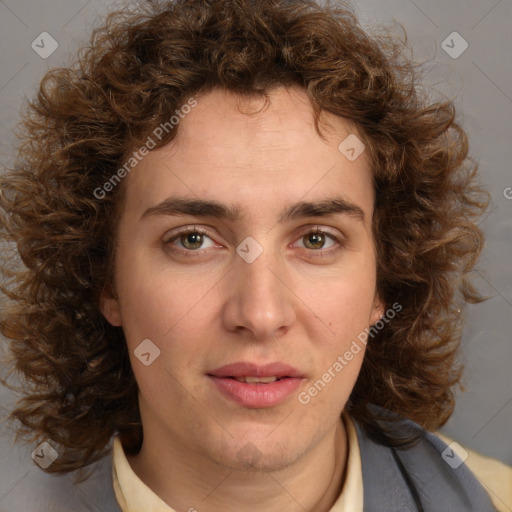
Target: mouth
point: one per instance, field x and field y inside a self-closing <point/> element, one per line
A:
<point x="256" y="387"/>
<point x="257" y="380"/>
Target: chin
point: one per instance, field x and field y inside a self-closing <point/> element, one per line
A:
<point x="258" y="456"/>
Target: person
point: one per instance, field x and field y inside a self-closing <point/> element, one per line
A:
<point x="245" y="240"/>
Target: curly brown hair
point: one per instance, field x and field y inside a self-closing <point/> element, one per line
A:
<point x="138" y="69"/>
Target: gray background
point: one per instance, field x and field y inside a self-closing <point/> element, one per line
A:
<point x="481" y="81"/>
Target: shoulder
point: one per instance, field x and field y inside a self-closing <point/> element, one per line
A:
<point x="425" y="476"/>
<point x="89" y="489"/>
<point x="495" y="476"/>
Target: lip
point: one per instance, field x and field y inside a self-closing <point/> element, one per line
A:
<point x="256" y="396"/>
<point x="245" y="369"/>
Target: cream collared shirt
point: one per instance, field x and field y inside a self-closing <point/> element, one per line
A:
<point x="135" y="496"/>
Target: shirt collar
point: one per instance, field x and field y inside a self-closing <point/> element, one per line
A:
<point x="133" y="495"/>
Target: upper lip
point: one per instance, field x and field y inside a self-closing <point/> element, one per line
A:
<point x="245" y="369"/>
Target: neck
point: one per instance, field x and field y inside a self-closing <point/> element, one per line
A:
<point x="190" y="483"/>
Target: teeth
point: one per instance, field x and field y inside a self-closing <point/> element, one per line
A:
<point x="256" y="380"/>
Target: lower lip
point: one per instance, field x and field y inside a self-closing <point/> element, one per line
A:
<point x="256" y="396"/>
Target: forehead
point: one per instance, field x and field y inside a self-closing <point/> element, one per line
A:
<point x="223" y="122"/>
<point x="244" y="150"/>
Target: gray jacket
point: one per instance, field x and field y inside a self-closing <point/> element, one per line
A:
<point x="427" y="477"/>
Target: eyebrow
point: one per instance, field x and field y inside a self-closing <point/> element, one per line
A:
<point x="176" y="206"/>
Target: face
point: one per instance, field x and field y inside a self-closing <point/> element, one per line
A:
<point x="245" y="250"/>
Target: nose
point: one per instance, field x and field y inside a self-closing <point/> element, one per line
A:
<point x="259" y="304"/>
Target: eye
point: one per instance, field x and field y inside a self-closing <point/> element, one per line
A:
<point x="317" y="239"/>
<point x="193" y="239"/>
<point x="190" y="239"/>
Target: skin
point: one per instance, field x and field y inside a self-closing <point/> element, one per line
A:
<point x="290" y="305"/>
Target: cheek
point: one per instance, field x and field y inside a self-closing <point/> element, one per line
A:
<point x="343" y="302"/>
<point x="339" y="339"/>
<point x="176" y="316"/>
<point x="153" y="309"/>
<point x="340" y="350"/>
<point x="156" y="302"/>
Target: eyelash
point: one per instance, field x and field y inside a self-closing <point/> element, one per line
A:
<point x="319" y="253"/>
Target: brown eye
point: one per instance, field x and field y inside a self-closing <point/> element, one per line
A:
<point x="318" y="242"/>
<point x="192" y="241"/>
<point x="314" y="240"/>
<point x="189" y="240"/>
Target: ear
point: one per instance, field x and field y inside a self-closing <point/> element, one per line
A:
<point x="109" y="307"/>
<point x="377" y="310"/>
